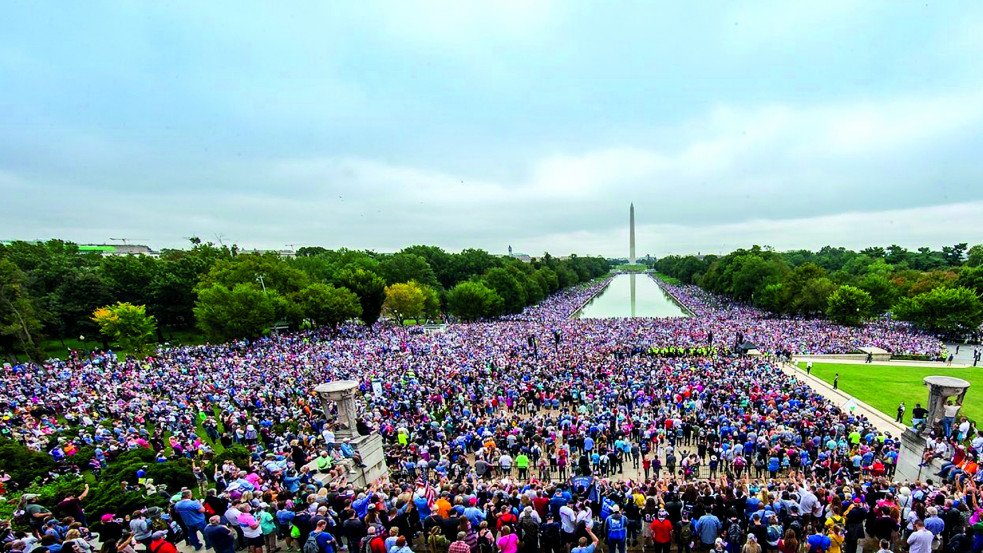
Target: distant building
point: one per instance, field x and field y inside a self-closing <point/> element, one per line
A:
<point x="107" y="250"/>
<point x="284" y="254"/>
<point x="523" y="257"/>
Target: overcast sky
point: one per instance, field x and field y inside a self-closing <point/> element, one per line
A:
<point x="483" y="124"/>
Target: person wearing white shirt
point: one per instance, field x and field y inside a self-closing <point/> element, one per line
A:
<point x="586" y="516"/>
<point x="920" y="541"/>
<point x="949" y="417"/>
<point x="963" y="429"/>
<point x="568" y="523"/>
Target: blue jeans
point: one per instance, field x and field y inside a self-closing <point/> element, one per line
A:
<point x="616" y="546"/>
<point x="192" y="536"/>
<point x="947" y="425"/>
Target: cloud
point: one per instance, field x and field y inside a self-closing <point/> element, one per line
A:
<point x="481" y="124"/>
<point x="935" y="225"/>
<point x="734" y="176"/>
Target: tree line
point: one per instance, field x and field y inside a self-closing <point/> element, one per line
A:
<point x="53" y="291"/>
<point x="938" y="290"/>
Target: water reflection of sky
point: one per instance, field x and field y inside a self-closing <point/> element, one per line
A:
<point x="631" y="296"/>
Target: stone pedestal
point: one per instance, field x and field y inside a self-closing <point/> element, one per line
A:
<point x="369" y="448"/>
<point x="940" y="389"/>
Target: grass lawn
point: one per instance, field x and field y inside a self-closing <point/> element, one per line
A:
<point x="885" y="386"/>
<point x="667" y="279"/>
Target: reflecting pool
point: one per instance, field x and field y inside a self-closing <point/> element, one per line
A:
<point x="631" y="295"/>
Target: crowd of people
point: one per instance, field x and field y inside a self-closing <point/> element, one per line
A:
<point x="539" y="433"/>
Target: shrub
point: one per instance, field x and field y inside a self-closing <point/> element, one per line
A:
<point x="107" y="497"/>
<point x="238" y="454"/>
<point x="23" y="465"/>
<point x="173" y="475"/>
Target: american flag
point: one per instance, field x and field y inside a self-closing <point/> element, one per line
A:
<point x="428" y="491"/>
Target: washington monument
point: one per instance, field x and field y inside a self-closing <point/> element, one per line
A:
<point x="631" y="234"/>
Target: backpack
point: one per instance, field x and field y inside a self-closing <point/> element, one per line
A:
<point x="484" y="544"/>
<point x="529" y="529"/>
<point x="796" y="526"/>
<point x="735" y="534"/>
<point x="783" y="513"/>
<point x="774" y="534"/>
<point x="311" y="546"/>
<point x="686" y="533"/>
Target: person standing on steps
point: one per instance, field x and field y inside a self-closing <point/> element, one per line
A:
<point x="836" y="381"/>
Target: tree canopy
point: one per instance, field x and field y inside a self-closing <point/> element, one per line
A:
<point x="826" y="281"/>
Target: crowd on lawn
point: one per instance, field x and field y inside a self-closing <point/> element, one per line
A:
<point x="541" y="433"/>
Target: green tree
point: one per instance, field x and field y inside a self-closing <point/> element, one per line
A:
<point x="943" y="310"/>
<point x="128" y="277"/>
<point x="171" y="292"/>
<point x="326" y="305"/>
<point x="310" y="251"/>
<point x="507" y="287"/>
<point x="128" y="325"/>
<point x="20" y="325"/>
<point x="471" y="262"/>
<point x="404" y="300"/>
<point x="814" y="296"/>
<point x="257" y="270"/>
<point x="849" y="306"/>
<point x="547" y="279"/>
<point x="242" y="312"/>
<point x="471" y="301"/>
<point x="773" y="298"/>
<point x="404" y="267"/>
<point x="431" y="302"/>
<point x="972" y="278"/>
<point x="974" y="257"/>
<point x="565" y="276"/>
<point x="895" y="254"/>
<point x="370" y="289"/>
<point x="953" y="255"/>
<point x="440" y="261"/>
<point x="883" y="293"/>
<point x="82" y="292"/>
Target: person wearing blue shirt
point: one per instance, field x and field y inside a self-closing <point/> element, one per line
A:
<point x="361" y="503"/>
<point x="291" y="481"/>
<point x="773" y="466"/>
<point x="422" y="507"/>
<point x="558" y="500"/>
<point x="193" y="515"/>
<point x="933" y="523"/>
<point x="325" y="541"/>
<point x="818" y="542"/>
<point x="708" y="527"/>
<point x="616" y="526"/>
<point x="475" y="515"/>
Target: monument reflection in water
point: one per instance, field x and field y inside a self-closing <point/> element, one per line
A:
<point x="631" y="295"/>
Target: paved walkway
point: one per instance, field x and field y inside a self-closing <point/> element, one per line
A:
<point x="880" y="420"/>
<point x="965" y="355"/>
